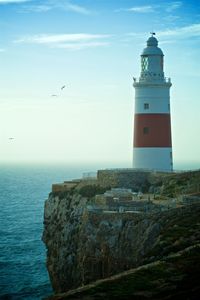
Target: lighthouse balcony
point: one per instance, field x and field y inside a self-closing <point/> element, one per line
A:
<point x="151" y="80"/>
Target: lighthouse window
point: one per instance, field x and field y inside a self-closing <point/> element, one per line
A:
<point x="144" y="63"/>
<point x="146" y="105"/>
<point x="146" y="130"/>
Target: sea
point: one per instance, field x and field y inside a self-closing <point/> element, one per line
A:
<point x="23" y="190"/>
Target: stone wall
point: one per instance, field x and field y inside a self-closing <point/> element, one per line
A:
<point x="136" y="180"/>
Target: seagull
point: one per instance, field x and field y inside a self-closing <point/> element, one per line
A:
<point x="55" y="95"/>
<point x="11" y="138"/>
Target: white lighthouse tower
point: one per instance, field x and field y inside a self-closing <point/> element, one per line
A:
<point x="152" y="146"/>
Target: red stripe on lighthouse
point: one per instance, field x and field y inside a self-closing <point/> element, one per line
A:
<point x="152" y="130"/>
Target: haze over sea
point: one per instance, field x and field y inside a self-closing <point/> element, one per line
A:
<point x="23" y="190"/>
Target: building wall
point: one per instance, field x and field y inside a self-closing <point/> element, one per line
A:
<point x="153" y="158"/>
<point x="152" y="142"/>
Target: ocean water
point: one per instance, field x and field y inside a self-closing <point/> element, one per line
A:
<point x="23" y="190"/>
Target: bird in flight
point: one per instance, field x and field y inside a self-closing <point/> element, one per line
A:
<point x="11" y="138"/>
<point x="57" y="95"/>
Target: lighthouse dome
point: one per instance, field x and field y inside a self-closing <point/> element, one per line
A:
<point x="152" y="41"/>
<point x="152" y="47"/>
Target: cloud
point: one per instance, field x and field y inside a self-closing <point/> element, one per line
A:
<point x="35" y="8"/>
<point x="171" y="18"/>
<point x="138" y="9"/>
<point x="73" y="41"/>
<point x="185" y="33"/>
<point x="80" y="46"/>
<point x="48" y="5"/>
<point x="189" y="31"/>
<point x="173" y="6"/>
<point x="76" y="8"/>
<point x="143" y="9"/>
<point x="60" y="38"/>
<point x="13" y="1"/>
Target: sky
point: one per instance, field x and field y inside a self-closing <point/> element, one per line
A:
<point x="92" y="47"/>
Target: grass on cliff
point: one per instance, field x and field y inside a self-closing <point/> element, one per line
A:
<point x="63" y="194"/>
<point x="91" y="190"/>
<point x="174" y="278"/>
<point x="178" y="232"/>
<point x="87" y="190"/>
<point x="183" y="183"/>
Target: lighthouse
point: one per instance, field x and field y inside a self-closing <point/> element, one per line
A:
<point x="152" y="145"/>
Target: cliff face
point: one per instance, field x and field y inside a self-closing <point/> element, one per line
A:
<point x="62" y="224"/>
<point x="175" y="277"/>
<point x="84" y="244"/>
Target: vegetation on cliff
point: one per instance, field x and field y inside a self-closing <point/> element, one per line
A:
<point x="175" y="277"/>
<point x="184" y="183"/>
<point x="90" y="190"/>
<point x="180" y="231"/>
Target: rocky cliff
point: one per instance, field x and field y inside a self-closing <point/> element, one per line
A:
<point x="85" y="244"/>
<point x="174" y="277"/>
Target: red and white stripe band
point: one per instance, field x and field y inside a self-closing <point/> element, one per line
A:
<point x="152" y="130"/>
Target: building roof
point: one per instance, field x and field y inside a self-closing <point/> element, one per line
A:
<point x="152" y="47"/>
